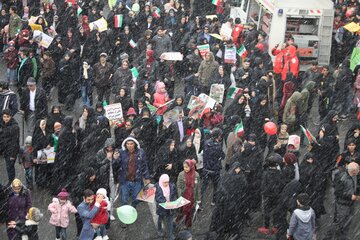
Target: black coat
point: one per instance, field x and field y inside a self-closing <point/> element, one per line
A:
<point x="272" y="182"/>
<point x="159" y="198"/>
<point x="344" y="189"/>
<point x="25" y="72"/>
<point x="164" y="157"/>
<point x="41" y="108"/>
<point x="10" y="138"/>
<point x="3" y="200"/>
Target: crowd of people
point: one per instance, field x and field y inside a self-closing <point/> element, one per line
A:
<point x="97" y="161"/>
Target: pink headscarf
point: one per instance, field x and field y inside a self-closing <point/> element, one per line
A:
<point x="166" y="190"/>
<point x="158" y="86"/>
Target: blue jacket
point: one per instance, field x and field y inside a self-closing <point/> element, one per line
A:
<point x="213" y="154"/>
<point x="121" y="164"/>
<point x="159" y="198"/>
<point x="86" y="215"/>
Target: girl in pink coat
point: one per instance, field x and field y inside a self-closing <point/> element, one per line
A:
<point x="160" y="98"/>
<point x="59" y="209"/>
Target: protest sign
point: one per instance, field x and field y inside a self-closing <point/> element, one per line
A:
<point x="178" y="203"/>
<point x="217" y="92"/>
<point x="204" y="49"/>
<point x="230" y="55"/>
<point x="209" y="102"/>
<point x="170" y="116"/>
<point x="226" y="30"/>
<point x="147" y="194"/>
<point x="196" y="107"/>
<point x="100" y="24"/>
<point x="46" y="156"/>
<point x="352" y="27"/>
<point x="114" y="112"/>
<point x="172" y="56"/>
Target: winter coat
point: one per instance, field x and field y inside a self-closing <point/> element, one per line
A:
<point x="25" y="71"/>
<point x="160" y="198"/>
<point x="141" y="163"/>
<point x="104" y="167"/>
<point x="86" y="214"/>
<point x="11" y="58"/>
<point x="126" y="101"/>
<point x="41" y="108"/>
<point x="213" y="155"/>
<point x="161" y="45"/>
<point x="302" y="224"/>
<point x="291" y="63"/>
<point x="122" y="78"/>
<point x="206" y="71"/>
<point x="10" y="138"/>
<point x="8" y="100"/>
<point x="279" y="60"/>
<point x="164" y="157"/>
<point x="291" y="109"/>
<point x="28" y="228"/>
<point x="344" y="189"/>
<point x="60" y="213"/>
<point x="48" y="69"/>
<point x="18" y="205"/>
<point x="102" y="74"/>
<point x="272" y="182"/>
<point x="14" y="25"/>
<point x="3" y="201"/>
<point x="181" y="185"/>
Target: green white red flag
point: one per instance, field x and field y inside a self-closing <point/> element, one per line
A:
<point x="242" y="52"/>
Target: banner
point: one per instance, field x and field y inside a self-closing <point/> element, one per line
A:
<point x="147" y="194"/>
<point x="46" y="156"/>
<point x="114" y="112"/>
<point x="204" y="49"/>
<point x="217" y="92"/>
<point x="100" y="24"/>
<point x="230" y="55"/>
<point x="178" y="203"/>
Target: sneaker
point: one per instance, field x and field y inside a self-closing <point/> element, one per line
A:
<point x="264" y="230"/>
<point x="274" y="230"/>
<point x="112" y="218"/>
<point x="105" y="237"/>
<point x="212" y="204"/>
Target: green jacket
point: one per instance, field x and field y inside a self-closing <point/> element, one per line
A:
<point x="14" y="25"/>
<point x="181" y="185"/>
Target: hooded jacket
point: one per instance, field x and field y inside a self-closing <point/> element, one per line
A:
<point x="302" y="224"/>
<point x="305" y="94"/>
<point x="206" y="70"/>
<point x="141" y="162"/>
<point x="290" y="110"/>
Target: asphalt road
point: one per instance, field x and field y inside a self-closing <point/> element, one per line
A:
<point x="144" y="227"/>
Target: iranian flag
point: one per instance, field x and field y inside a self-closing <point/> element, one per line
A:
<point x="216" y="2"/>
<point x="118" y="20"/>
<point x="132" y="43"/>
<point x="151" y="108"/>
<point x="239" y="129"/>
<point x="242" y="52"/>
<point x="156" y="13"/>
<point x="308" y="135"/>
<point x="233" y="92"/>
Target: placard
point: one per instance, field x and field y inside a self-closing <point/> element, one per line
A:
<point x="178" y="203"/>
<point x="101" y="24"/>
<point x="114" y="112"/>
<point x="203" y="49"/>
<point x="217" y="92"/>
<point x="172" y="56"/>
<point x="46" y="156"/>
<point x="42" y="38"/>
<point x="230" y="55"/>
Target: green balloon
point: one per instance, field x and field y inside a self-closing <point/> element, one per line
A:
<point x="127" y="214"/>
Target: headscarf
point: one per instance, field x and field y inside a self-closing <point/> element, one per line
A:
<point x="158" y="86"/>
<point x="150" y="54"/>
<point x="290" y="158"/>
<point x="190" y="176"/>
<point x="166" y="190"/>
<point x="84" y="25"/>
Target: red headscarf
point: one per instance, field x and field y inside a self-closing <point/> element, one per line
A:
<point x="150" y="54"/>
<point x="84" y="25"/>
<point x="190" y="176"/>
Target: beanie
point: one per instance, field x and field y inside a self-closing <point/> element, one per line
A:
<point x="101" y="191"/>
<point x="63" y="195"/>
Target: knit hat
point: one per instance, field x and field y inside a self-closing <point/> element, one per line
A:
<point x="31" y="81"/>
<point x="57" y="126"/>
<point x="290" y="158"/>
<point x="35" y="214"/>
<point x="303" y="199"/>
<point x="131" y="111"/>
<point x="63" y="195"/>
<point x="28" y="140"/>
<point x="124" y="56"/>
<point x="101" y="191"/>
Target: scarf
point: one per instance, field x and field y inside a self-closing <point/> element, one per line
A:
<point x="85" y="68"/>
<point x="166" y="190"/>
<point x="190" y="176"/>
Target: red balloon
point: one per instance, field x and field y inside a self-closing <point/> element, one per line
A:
<point x="270" y="128"/>
<point x="349" y="13"/>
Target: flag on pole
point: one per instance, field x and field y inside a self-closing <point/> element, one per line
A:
<point x="242" y="52"/>
<point x="118" y="19"/>
<point x="151" y="108"/>
<point x="132" y="43"/>
<point x="134" y="72"/>
<point x="156" y="13"/>
<point x="308" y="135"/>
<point x="233" y="92"/>
<point x="216" y="2"/>
<point x="239" y="129"/>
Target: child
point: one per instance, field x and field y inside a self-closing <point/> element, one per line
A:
<point x="59" y="209"/>
<point x="302" y="222"/>
<point x="160" y="98"/>
<point x="165" y="192"/>
<point x="26" y="159"/>
<point x="102" y="216"/>
<point x="28" y="229"/>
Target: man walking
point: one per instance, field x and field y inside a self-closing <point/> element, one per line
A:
<point x="8" y="99"/>
<point x="103" y="72"/>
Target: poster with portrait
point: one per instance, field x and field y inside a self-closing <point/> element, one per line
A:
<point x="217" y="92"/>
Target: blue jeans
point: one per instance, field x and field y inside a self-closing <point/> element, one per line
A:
<point x="10" y="168"/>
<point x="169" y="223"/>
<point x="11" y="74"/>
<point x="128" y="188"/>
<point x="84" y="96"/>
<point x="29" y="176"/>
<point x="60" y="233"/>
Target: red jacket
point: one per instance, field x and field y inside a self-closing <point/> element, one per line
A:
<point x="279" y="60"/>
<point x="237" y="35"/>
<point x="102" y="216"/>
<point x="291" y="63"/>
